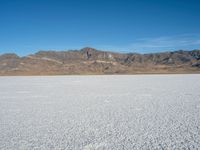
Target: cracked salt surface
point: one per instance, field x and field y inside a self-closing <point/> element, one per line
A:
<point x="100" y="112"/>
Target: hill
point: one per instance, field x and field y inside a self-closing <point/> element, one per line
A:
<point x="92" y="61"/>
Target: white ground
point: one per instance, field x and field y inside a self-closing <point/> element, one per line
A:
<point x="100" y="112"/>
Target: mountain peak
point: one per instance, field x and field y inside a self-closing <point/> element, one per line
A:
<point x="88" y="49"/>
<point x="9" y="56"/>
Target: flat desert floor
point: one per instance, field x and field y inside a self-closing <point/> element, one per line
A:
<point x="100" y="112"/>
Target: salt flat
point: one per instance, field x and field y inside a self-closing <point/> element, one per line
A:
<point x="100" y="112"/>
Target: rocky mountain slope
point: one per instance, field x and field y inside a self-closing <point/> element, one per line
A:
<point x="92" y="61"/>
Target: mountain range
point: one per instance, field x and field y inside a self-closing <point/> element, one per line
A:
<point x="92" y="61"/>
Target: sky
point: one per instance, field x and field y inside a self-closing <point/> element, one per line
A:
<point x="142" y="26"/>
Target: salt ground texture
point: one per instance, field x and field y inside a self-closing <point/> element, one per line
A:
<point x="100" y="112"/>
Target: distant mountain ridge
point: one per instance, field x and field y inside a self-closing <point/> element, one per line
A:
<point x="92" y="61"/>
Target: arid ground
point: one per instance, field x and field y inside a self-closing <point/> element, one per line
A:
<point x="100" y="112"/>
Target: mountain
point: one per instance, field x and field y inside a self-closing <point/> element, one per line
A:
<point x="92" y="61"/>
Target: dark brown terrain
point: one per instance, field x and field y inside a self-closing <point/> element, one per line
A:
<point x="92" y="61"/>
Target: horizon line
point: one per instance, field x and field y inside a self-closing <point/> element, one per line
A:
<point x="102" y="50"/>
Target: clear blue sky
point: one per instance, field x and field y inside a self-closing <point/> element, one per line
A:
<point x="27" y="26"/>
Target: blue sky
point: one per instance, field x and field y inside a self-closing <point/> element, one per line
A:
<point x="143" y="26"/>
